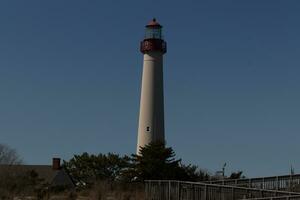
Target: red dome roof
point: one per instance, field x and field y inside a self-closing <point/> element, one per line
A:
<point x="154" y="23"/>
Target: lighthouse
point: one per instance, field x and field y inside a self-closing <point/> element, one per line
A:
<point x="151" y="126"/>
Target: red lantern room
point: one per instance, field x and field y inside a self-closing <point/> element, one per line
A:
<point x="153" y="40"/>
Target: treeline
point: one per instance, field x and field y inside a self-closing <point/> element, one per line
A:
<point x="155" y="162"/>
<point x="101" y="176"/>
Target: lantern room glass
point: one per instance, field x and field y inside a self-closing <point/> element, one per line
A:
<point x="153" y="33"/>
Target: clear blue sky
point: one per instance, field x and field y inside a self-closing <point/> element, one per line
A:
<point x="70" y="74"/>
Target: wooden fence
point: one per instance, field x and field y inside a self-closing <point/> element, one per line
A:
<point x="179" y="190"/>
<point x="297" y="197"/>
<point x="285" y="183"/>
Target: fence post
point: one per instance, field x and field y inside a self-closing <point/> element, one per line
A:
<point x="205" y="192"/>
<point x="169" y="190"/>
<point x="160" y="190"/>
<point x="178" y="190"/>
<point x="145" y="188"/>
<point x="291" y="182"/>
<point x="193" y="191"/>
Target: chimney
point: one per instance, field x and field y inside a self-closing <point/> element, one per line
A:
<point x="56" y="164"/>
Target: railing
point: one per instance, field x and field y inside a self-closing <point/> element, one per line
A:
<point x="297" y="197"/>
<point x="178" y="190"/>
<point x="287" y="182"/>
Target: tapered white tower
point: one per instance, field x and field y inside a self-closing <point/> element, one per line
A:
<point x="151" y="119"/>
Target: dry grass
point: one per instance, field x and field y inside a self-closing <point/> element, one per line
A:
<point x="117" y="191"/>
<point x="103" y="190"/>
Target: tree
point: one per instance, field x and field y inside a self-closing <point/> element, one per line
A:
<point x="9" y="156"/>
<point x="193" y="173"/>
<point x="155" y="162"/>
<point x="236" y="175"/>
<point x="158" y="162"/>
<point x="87" y="169"/>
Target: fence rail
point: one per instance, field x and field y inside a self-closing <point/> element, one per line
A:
<point x="178" y="190"/>
<point x="297" y="197"/>
<point x="285" y="183"/>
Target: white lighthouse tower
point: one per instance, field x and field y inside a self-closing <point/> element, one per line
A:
<point x="151" y="119"/>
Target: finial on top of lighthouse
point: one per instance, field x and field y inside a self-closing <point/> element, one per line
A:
<point x="153" y="24"/>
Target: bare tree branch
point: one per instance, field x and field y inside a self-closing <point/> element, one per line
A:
<point x="9" y="156"/>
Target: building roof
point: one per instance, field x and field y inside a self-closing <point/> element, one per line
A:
<point x="45" y="172"/>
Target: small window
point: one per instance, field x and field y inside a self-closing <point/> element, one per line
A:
<point x="148" y="129"/>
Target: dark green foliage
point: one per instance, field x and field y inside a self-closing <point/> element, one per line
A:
<point x="154" y="162"/>
<point x="193" y="173"/>
<point x="157" y="162"/>
<point x="236" y="175"/>
<point x="87" y="169"/>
